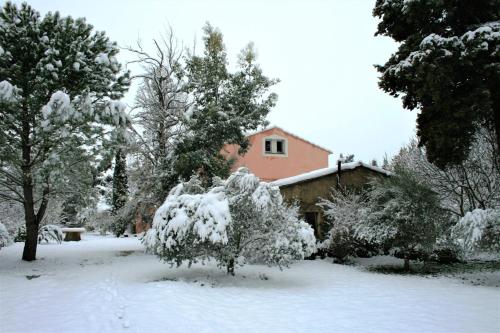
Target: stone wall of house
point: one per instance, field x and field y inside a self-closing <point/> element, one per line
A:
<point x="307" y="193"/>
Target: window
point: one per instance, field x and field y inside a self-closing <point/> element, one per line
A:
<point x="275" y="145"/>
<point x="268" y="146"/>
<point x="280" y="147"/>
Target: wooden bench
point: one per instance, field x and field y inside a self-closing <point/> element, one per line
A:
<point x="72" y="234"/>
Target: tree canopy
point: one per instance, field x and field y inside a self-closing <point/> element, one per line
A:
<point x="58" y="84"/>
<point x="447" y="66"/>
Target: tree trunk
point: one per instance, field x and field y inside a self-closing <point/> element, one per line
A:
<point x="407" y="265"/>
<point x="230" y="267"/>
<point x="495" y="104"/>
<point x="496" y="113"/>
<point x="29" y="252"/>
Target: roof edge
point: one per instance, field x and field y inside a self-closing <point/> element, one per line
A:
<point x="291" y="134"/>
<point x="325" y="172"/>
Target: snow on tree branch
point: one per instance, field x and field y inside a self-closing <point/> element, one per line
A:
<point x="237" y="221"/>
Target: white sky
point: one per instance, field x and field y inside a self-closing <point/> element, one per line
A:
<point x="322" y="51"/>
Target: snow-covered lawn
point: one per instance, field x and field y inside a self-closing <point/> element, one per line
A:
<point x="104" y="284"/>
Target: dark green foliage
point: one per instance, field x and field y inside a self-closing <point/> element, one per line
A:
<point x="20" y="234"/>
<point x="404" y="214"/>
<point x="63" y="76"/>
<point x="70" y="210"/>
<point x="446" y="255"/>
<point x="120" y="181"/>
<point x="347" y="159"/>
<point x="122" y="217"/>
<point x="226" y="105"/>
<point x="451" y="75"/>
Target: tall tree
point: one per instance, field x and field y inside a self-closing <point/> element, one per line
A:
<point x="225" y="106"/>
<point x="161" y="102"/>
<point x="120" y="181"/>
<point x="447" y="66"/>
<point x="58" y="82"/>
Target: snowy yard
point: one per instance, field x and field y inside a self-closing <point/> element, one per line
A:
<point x="104" y="284"/>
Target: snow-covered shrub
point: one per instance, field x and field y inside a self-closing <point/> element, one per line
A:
<point x="5" y="239"/>
<point x="343" y="212"/>
<point x="20" y="234"/>
<point x="403" y="216"/>
<point x="11" y="215"/>
<point x="479" y="231"/>
<point x="241" y="220"/>
<point x="99" y="220"/>
<point x="446" y="251"/>
<point x="50" y="233"/>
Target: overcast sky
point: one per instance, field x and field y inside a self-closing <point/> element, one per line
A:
<point x="322" y="51"/>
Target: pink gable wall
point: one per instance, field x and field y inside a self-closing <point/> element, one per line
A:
<point x="302" y="156"/>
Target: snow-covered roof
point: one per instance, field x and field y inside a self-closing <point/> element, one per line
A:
<point x="291" y="134"/>
<point x="326" y="171"/>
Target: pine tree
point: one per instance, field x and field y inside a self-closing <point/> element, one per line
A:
<point x="121" y="216"/>
<point x="404" y="215"/>
<point x="120" y="181"/>
<point x="225" y="106"/>
<point x="447" y="66"/>
<point x="56" y="104"/>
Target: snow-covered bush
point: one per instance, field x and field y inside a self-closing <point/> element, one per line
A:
<point x="100" y="221"/>
<point x="404" y="216"/>
<point x="20" y="235"/>
<point x="11" y="215"/>
<point x="343" y="211"/>
<point x="50" y="233"/>
<point x="5" y="238"/>
<point x="241" y="220"/>
<point x="479" y="231"/>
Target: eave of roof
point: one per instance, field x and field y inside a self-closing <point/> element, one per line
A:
<point x="324" y="172"/>
<point x="291" y="134"/>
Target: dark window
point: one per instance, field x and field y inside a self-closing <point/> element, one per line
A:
<point x="268" y="146"/>
<point x="280" y="147"/>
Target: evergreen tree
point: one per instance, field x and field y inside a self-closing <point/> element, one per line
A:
<point x="121" y="217"/>
<point x="404" y="215"/>
<point x="347" y="159"/>
<point x="120" y="181"/>
<point x="225" y="106"/>
<point x="58" y="80"/>
<point x="447" y="65"/>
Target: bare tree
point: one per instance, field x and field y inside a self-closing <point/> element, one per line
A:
<point x="161" y="104"/>
<point x="473" y="183"/>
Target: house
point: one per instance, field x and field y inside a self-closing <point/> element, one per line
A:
<point x="308" y="188"/>
<point x="275" y="154"/>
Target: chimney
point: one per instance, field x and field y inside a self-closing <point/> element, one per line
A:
<point x="339" y="171"/>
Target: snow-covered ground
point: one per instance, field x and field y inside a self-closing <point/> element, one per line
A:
<point x="104" y="284"/>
